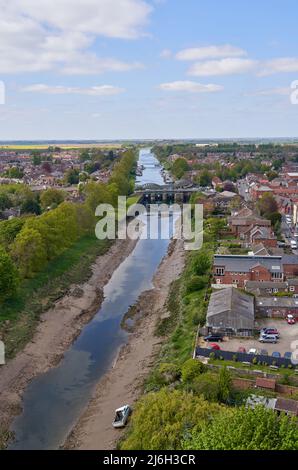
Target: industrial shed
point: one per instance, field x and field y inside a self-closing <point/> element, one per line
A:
<point x="231" y="311"/>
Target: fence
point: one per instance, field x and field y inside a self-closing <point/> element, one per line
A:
<point x="244" y="357"/>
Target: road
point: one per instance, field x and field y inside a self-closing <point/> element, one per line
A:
<point x="243" y="190"/>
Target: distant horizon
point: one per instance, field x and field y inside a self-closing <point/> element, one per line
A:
<point x="164" y="139"/>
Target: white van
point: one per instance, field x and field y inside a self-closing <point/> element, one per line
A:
<point x="294" y="244"/>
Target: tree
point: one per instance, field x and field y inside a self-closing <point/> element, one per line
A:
<point x="245" y="429"/>
<point x="29" y="252"/>
<point x="224" y="385"/>
<point x="51" y="197"/>
<point x="15" y="172"/>
<point x="180" y="166"/>
<point x="267" y="205"/>
<point x="161" y="420"/>
<point x="205" y="178"/>
<point x="5" y="202"/>
<point x="72" y="176"/>
<point x="201" y="263"/>
<point x="8" y="276"/>
<point x="30" y="206"/>
<point x="229" y="186"/>
<point x="9" y="230"/>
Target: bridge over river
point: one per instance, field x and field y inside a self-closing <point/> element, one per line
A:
<point x="154" y="193"/>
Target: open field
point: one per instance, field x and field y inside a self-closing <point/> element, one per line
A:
<point x="62" y="146"/>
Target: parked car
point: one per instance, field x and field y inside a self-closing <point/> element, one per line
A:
<point x="270" y="331"/>
<point x="121" y="416"/>
<point x="213" y="337"/>
<point x="264" y="352"/>
<point x="268" y="339"/>
<point x="276" y="354"/>
<point x="253" y="351"/>
<point x="288" y="355"/>
<point x="214" y="346"/>
<point x="241" y="349"/>
<point x="290" y="319"/>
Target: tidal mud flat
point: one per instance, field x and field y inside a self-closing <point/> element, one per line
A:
<point x="57" y="330"/>
<point x="122" y="384"/>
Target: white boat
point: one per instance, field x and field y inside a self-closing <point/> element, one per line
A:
<point x="121" y="416"/>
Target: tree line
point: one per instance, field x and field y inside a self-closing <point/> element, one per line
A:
<point x="29" y="242"/>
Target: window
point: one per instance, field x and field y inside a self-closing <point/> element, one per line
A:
<point x="292" y="288"/>
<point x="277" y="275"/>
<point x="235" y="281"/>
<point x="220" y="271"/>
<point x="218" y="281"/>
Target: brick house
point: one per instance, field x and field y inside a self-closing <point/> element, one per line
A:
<point x="239" y="224"/>
<point x="238" y="269"/>
<point x="256" y="234"/>
<point x="276" y="307"/>
<point x="290" y="265"/>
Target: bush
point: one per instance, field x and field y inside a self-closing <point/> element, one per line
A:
<point x="169" y="372"/>
<point x="196" y="283"/>
<point x="191" y="369"/>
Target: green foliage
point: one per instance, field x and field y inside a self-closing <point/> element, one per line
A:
<point x="9" y="230"/>
<point x="195" y="283"/>
<point x="201" y="262"/>
<point x="51" y="197"/>
<point x="8" y="276"/>
<point x="245" y="429"/>
<point x="180" y="166"/>
<point x="5" y="201"/>
<point x="162" y="419"/>
<point x="191" y="369"/>
<point x="72" y="176"/>
<point x="29" y="252"/>
<point x="14" y="172"/>
<point x="205" y="178"/>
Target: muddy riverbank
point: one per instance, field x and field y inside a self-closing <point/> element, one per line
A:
<point x="56" y="331"/>
<point x="123" y="382"/>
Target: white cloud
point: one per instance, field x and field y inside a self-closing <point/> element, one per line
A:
<point x="227" y="66"/>
<point x="282" y="91"/>
<point x="191" y="87"/>
<point x="166" y="53"/>
<point x="58" y="34"/>
<point x="279" y="65"/>
<point x="100" y="90"/>
<point x="210" y="52"/>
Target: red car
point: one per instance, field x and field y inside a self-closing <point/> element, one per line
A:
<point x="215" y="346"/>
<point x="291" y="319"/>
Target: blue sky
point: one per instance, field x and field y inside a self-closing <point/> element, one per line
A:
<point x="124" y="69"/>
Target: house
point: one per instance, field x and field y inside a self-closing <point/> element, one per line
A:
<point x="238" y="269"/>
<point x="232" y="310"/>
<point x="276" y="307"/>
<point x="240" y="224"/>
<point x="287" y="406"/>
<point x="256" y="234"/>
<point x="290" y="265"/>
<point x="279" y="405"/>
<point x="223" y="199"/>
<point x="293" y="285"/>
<point x="266" y="288"/>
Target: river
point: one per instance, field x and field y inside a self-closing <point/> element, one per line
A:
<point x="53" y="401"/>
